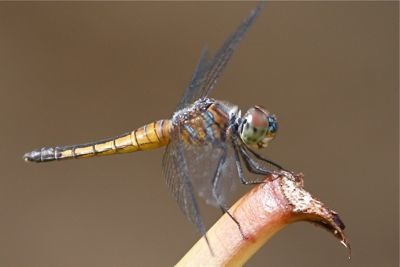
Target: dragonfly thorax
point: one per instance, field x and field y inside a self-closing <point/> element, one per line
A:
<point x="206" y="121"/>
<point x="192" y="111"/>
<point x="258" y="127"/>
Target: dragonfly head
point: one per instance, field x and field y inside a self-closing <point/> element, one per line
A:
<point x="258" y="127"/>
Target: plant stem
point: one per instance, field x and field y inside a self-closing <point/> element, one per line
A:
<point x="262" y="212"/>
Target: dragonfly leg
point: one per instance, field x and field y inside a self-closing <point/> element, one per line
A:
<point x="239" y="168"/>
<point x="252" y="165"/>
<point x="225" y="210"/>
<point x="220" y="203"/>
<point x="258" y="156"/>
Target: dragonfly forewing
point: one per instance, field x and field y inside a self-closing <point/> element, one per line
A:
<point x="207" y="73"/>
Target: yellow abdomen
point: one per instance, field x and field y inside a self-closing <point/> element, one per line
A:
<point x="149" y="136"/>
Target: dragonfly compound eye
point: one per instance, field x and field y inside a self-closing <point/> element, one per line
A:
<point x="258" y="127"/>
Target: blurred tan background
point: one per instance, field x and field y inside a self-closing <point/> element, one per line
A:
<point x="78" y="72"/>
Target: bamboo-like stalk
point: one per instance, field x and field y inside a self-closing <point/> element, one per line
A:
<point x="262" y="212"/>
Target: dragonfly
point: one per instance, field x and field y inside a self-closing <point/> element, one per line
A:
<point x="208" y="143"/>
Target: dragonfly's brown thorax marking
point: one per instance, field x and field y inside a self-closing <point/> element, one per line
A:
<point x="206" y="120"/>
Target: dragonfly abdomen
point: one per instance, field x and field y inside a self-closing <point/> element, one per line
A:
<point x="149" y="136"/>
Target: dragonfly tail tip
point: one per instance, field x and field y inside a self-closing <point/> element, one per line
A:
<point x="30" y="157"/>
<point x="26" y="157"/>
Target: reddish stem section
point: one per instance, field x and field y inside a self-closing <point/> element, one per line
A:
<point x="262" y="212"/>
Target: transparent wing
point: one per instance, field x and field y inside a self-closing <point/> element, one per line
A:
<point x="220" y="60"/>
<point x="178" y="179"/>
<point x="190" y="170"/>
<point x="190" y="91"/>
<point x="203" y="163"/>
<point x="207" y="72"/>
